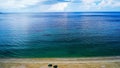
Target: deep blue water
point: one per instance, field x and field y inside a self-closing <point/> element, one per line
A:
<point x="59" y="35"/>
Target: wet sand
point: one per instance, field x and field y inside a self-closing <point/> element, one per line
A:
<point x="95" y="62"/>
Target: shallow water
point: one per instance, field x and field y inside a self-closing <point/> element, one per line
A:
<point x="59" y="35"/>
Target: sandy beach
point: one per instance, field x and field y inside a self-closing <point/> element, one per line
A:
<point x="95" y="62"/>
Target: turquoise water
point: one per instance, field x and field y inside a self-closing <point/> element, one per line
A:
<point x="40" y="35"/>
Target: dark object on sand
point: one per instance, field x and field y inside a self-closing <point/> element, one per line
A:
<point x="55" y="66"/>
<point x="49" y="65"/>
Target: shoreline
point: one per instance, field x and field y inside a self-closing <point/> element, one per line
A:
<point x="19" y="60"/>
<point x="94" y="62"/>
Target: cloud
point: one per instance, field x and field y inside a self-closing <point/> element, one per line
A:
<point x="116" y="4"/>
<point x="101" y="3"/>
<point x="94" y="5"/>
<point x="26" y="5"/>
<point x="58" y="5"/>
<point x="16" y="4"/>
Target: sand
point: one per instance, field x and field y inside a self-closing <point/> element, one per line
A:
<point x="95" y="62"/>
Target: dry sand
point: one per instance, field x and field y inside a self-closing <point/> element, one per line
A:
<point x="96" y="62"/>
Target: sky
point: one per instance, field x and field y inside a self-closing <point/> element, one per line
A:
<point x="59" y="5"/>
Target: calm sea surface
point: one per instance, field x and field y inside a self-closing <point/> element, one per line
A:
<point x="42" y="35"/>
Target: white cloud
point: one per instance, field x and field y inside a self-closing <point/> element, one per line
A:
<point x="58" y="7"/>
<point x="116" y="4"/>
<point x="15" y="4"/>
<point x="99" y="4"/>
<point x="21" y="4"/>
<point x="73" y="5"/>
<point x="88" y="1"/>
<point x="105" y="3"/>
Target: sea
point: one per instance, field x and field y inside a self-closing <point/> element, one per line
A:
<point x="59" y="34"/>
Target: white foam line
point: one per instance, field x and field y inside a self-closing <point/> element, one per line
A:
<point x="92" y="61"/>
